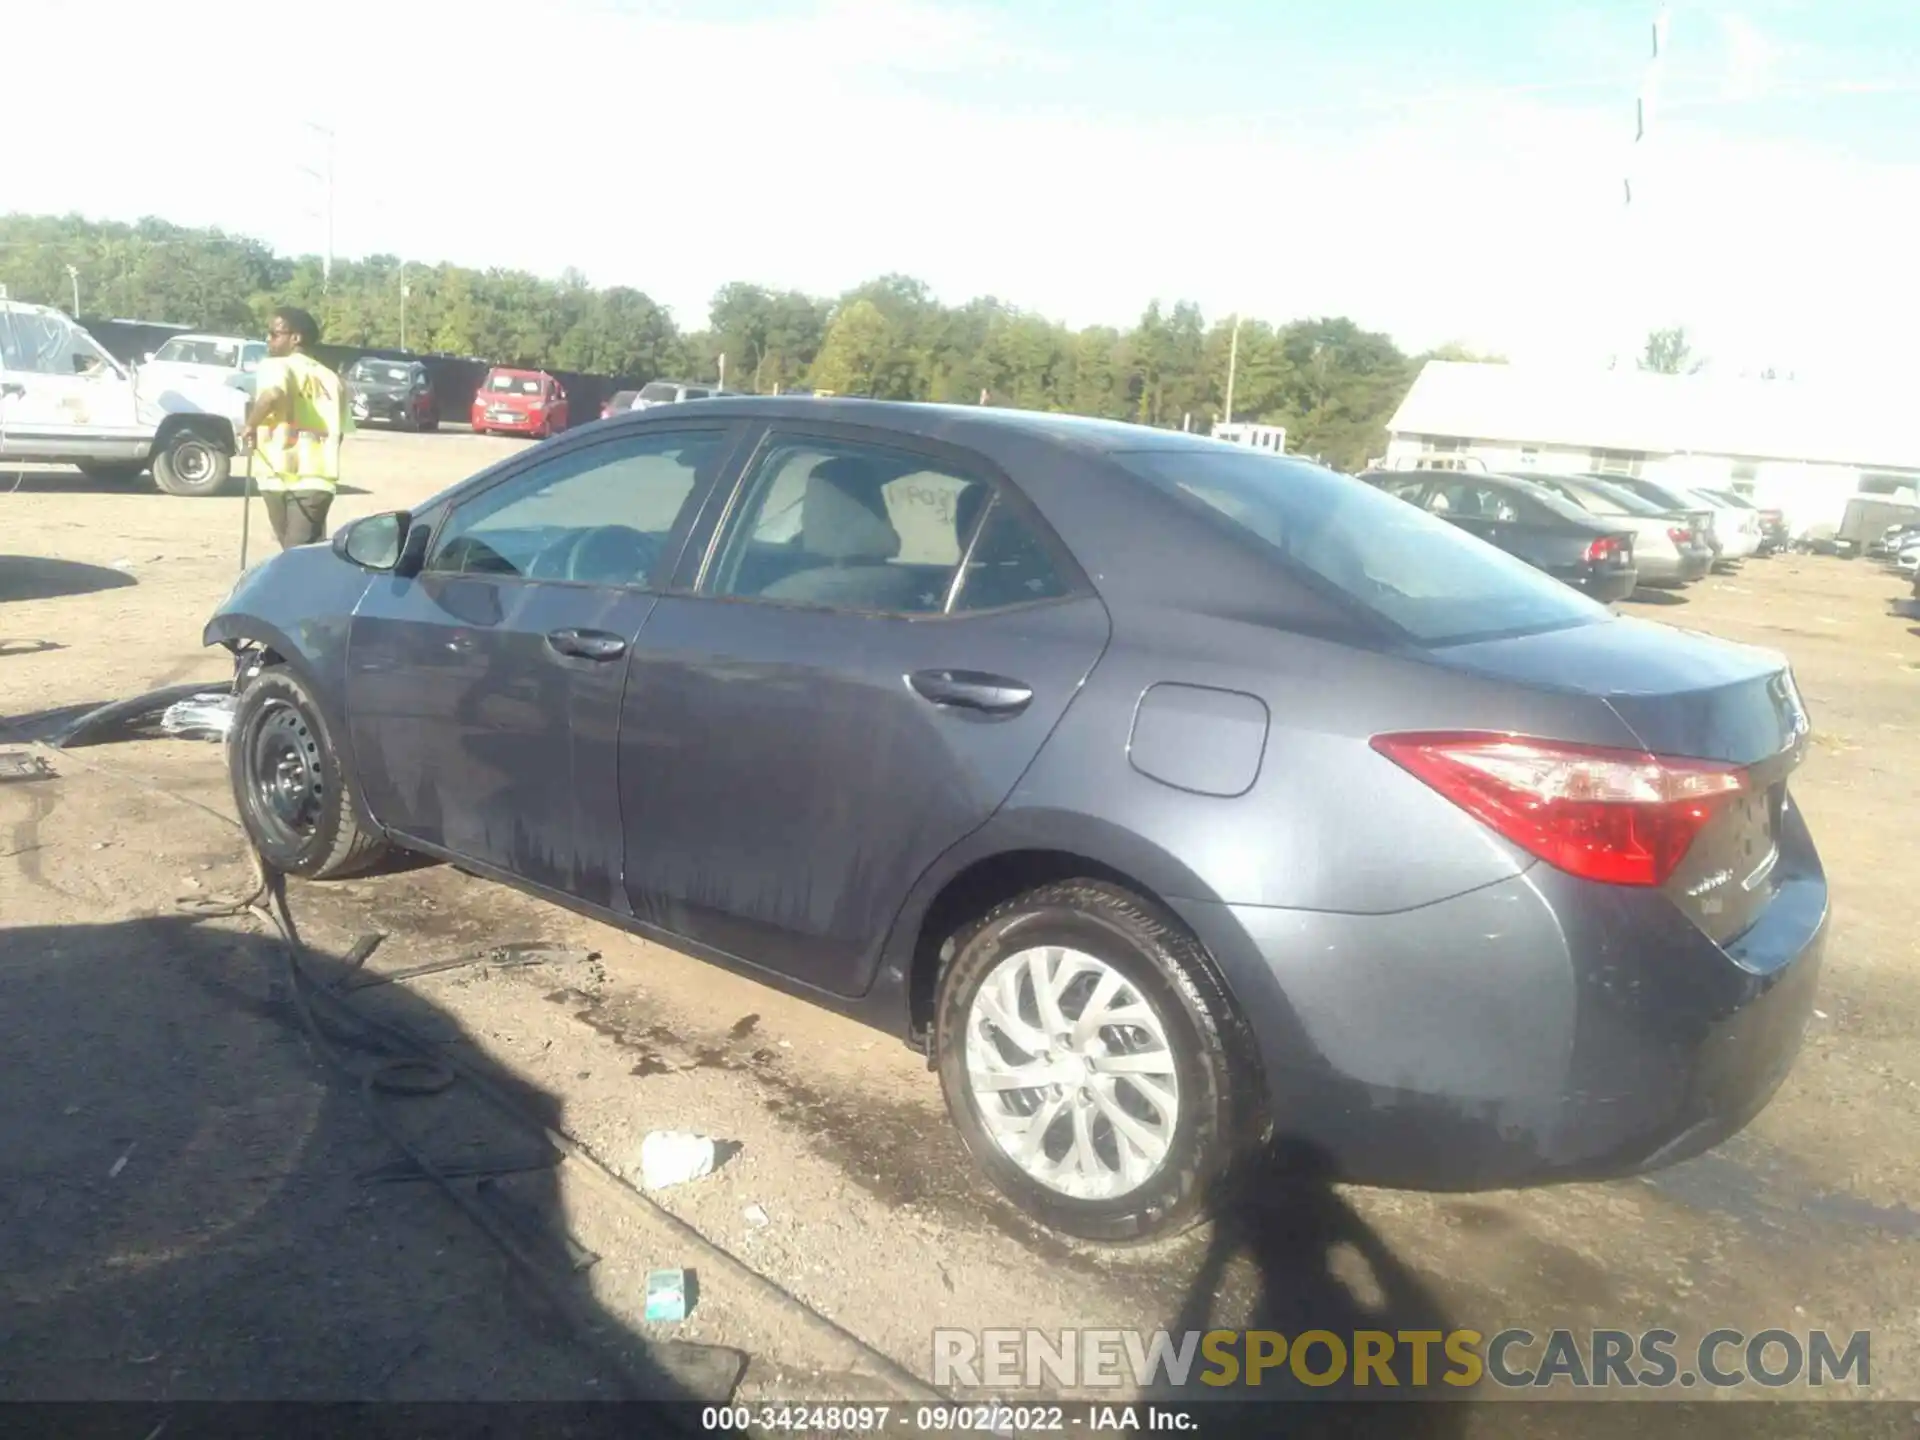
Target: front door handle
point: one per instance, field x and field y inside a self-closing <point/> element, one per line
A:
<point x="587" y="644"/>
<point x="971" y="690"/>
<point x="9" y="390"/>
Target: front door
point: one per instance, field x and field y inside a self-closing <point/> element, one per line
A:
<point x="878" y="643"/>
<point x="61" y="396"/>
<point x="484" y="693"/>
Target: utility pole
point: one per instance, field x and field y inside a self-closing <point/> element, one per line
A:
<point x="1639" y="260"/>
<point x="1233" y="364"/>
<point x="403" y="304"/>
<point x="723" y="369"/>
<point x="325" y="177"/>
<point x="74" y="275"/>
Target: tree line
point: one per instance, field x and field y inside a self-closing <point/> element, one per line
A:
<point x="1330" y="382"/>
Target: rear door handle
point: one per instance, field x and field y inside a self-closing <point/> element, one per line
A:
<point x="587" y="644"/>
<point x="971" y="690"/>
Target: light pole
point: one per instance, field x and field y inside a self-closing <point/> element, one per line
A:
<point x="1233" y="365"/>
<point x="73" y="274"/>
<point x="403" y="304"/>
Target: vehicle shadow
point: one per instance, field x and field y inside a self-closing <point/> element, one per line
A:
<point x="202" y="1209"/>
<point x="38" y="577"/>
<point x="1316" y="1265"/>
<point x="1656" y="598"/>
<point x="72" y="482"/>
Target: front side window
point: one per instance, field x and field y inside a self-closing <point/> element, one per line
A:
<point x="597" y="516"/>
<point x="1429" y="580"/>
<point x="849" y="526"/>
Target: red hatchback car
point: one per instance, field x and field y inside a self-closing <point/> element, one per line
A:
<point x="519" y="402"/>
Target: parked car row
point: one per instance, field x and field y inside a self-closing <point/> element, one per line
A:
<point x="1605" y="535"/>
<point x="1899" y="549"/>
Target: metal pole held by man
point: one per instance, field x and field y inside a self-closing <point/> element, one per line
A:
<point x="294" y="429"/>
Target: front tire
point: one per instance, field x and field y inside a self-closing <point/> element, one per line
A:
<point x="1108" y="1007"/>
<point x="188" y="463"/>
<point x="292" y="790"/>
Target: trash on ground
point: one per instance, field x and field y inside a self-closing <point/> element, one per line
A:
<point x="673" y="1157"/>
<point x="756" y="1216"/>
<point x="19" y="765"/>
<point x="120" y="1164"/>
<point x="202" y="717"/>
<point x="666" y="1295"/>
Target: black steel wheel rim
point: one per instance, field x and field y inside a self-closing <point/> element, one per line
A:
<point x="193" y="461"/>
<point x="284" y="775"/>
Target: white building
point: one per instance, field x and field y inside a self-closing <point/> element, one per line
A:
<point x="1803" y="448"/>
<point x="1259" y="437"/>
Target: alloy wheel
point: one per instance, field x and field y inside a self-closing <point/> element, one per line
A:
<point x="1072" y="1073"/>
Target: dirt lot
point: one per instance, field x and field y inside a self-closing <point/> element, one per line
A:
<point x="185" y="1209"/>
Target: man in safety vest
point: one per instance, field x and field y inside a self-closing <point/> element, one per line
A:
<point x="294" y="428"/>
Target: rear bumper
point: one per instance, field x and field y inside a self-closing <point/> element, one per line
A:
<point x="1609" y="585"/>
<point x="516" y="423"/>
<point x="1538" y="1030"/>
<point x="1676" y="570"/>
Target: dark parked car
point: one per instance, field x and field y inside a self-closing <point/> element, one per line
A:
<point x="1589" y="552"/>
<point x="1179" y="800"/>
<point x="393" y="392"/>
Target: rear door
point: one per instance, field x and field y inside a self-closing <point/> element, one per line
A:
<point x="484" y="694"/>
<point x="861" y="664"/>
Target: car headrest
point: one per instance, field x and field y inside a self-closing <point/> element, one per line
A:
<point x="966" y="510"/>
<point x="843" y="515"/>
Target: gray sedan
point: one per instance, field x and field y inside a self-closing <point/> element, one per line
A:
<point x="1182" y="802"/>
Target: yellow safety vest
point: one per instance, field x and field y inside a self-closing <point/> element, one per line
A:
<point x="299" y="444"/>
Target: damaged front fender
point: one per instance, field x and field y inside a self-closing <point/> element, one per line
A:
<point x="299" y="605"/>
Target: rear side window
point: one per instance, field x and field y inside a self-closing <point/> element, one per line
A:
<point x="1430" y="580"/>
<point x="1008" y="565"/>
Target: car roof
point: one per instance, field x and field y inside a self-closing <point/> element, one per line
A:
<point x="984" y="427"/>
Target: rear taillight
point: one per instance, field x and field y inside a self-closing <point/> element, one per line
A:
<point x="1622" y="817"/>
<point x="1603" y="548"/>
<point x="1680" y="536"/>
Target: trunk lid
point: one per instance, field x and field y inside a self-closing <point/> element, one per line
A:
<point x="1684" y="696"/>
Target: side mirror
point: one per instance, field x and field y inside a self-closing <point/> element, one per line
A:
<point x="373" y="542"/>
<point x="148" y="356"/>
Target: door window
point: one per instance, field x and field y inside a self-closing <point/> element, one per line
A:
<point x="596" y="516"/>
<point x="848" y="526"/>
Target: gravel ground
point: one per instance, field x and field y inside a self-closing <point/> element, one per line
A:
<point x="237" y="1252"/>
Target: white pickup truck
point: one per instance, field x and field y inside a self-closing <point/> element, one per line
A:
<point x="66" y="401"/>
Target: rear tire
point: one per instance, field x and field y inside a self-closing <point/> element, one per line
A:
<point x="290" y="786"/>
<point x="1177" y="1035"/>
<point x="188" y="463"/>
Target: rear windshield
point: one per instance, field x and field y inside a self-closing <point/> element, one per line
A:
<point x="1602" y="493"/>
<point x="376" y="370"/>
<point x="513" y="384"/>
<point x="1426" y="578"/>
<point x="185" y="351"/>
<point x="660" y="390"/>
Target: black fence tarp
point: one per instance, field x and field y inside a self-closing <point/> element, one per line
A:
<point x="455" y="377"/>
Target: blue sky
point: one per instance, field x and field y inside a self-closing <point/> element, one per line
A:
<point x="1440" y="171"/>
